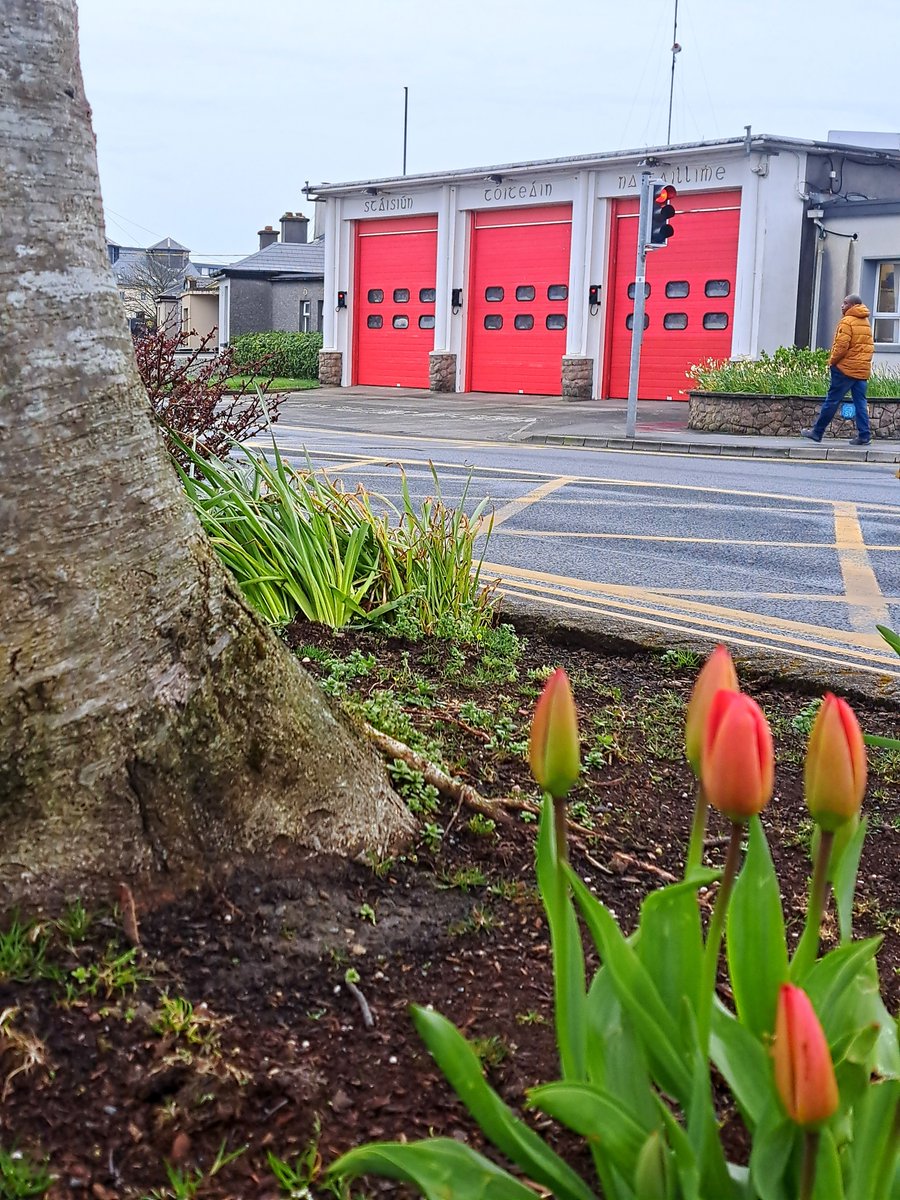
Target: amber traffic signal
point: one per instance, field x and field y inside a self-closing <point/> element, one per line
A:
<point x="662" y="210"/>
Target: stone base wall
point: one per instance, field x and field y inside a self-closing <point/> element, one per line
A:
<point x="782" y="416"/>
<point x="577" y="378"/>
<point x="331" y="367"/>
<point x="441" y="371"/>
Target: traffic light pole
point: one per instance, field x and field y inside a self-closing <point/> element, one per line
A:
<point x="637" y="327"/>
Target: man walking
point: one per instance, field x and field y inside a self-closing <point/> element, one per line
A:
<point x="851" y="365"/>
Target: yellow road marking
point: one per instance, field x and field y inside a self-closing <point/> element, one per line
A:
<point x="860" y="580"/>
<point x="362" y="462"/>
<point x="815" y="597"/>
<point x="660" y="537"/>
<point x="516" y="506"/>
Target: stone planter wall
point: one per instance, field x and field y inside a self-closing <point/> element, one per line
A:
<point x="577" y="378"/>
<point x="781" y="416"/>
<point x="441" y="371"/>
<point x="330" y="368"/>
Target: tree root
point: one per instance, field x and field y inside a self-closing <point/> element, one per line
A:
<point x="498" y="809"/>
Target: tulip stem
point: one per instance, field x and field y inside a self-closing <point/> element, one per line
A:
<point x="715" y="933"/>
<point x="808" y="1168"/>
<point x="698" y="832"/>
<point x="560" y="829"/>
<point x="808" y="947"/>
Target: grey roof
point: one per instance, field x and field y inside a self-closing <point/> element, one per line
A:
<point x="168" y="243"/>
<point x="295" y="258"/>
<point x="751" y="141"/>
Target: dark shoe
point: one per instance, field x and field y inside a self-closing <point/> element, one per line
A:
<point x="858" y="441"/>
<point x="808" y="433"/>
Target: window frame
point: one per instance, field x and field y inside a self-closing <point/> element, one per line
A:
<point x="885" y="314"/>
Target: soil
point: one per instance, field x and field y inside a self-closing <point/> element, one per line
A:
<point x="108" y="1082"/>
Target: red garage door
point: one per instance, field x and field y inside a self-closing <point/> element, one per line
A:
<point x="689" y="311"/>
<point x="518" y="308"/>
<point x="394" y="306"/>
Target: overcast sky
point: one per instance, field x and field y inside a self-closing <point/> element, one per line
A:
<point x="211" y="114"/>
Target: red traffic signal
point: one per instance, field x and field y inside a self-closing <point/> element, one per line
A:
<point x="662" y="210"/>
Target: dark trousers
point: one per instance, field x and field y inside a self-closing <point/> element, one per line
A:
<point x="841" y="384"/>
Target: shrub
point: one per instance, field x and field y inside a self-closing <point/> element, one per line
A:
<point x="190" y="400"/>
<point x="290" y="355"/>
<point x="790" y="371"/>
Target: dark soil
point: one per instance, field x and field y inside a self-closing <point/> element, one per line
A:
<point x="278" y="1058"/>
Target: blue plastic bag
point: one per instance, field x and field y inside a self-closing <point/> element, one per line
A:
<point x="847" y="411"/>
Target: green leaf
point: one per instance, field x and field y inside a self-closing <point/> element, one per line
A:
<point x="874" y="1150"/>
<point x="843" y="878"/>
<point x="442" y="1169"/>
<point x="597" y="1115"/>
<point x="892" y="638"/>
<point x="743" y="1061"/>
<point x="670" y="941"/>
<point x="568" y="956"/>
<point x="829" y="1184"/>
<point x="703" y="1131"/>
<point x="773" y="1144"/>
<point x="755" y="945"/>
<point x="830" y="986"/>
<point x="861" y="1005"/>
<point x="685" y="1159"/>
<point x="661" y="1036"/>
<point x="498" y="1122"/>
<point x="616" y="1060"/>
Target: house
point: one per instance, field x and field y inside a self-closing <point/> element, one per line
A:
<point x="193" y="312"/>
<point x="151" y="281"/>
<point x="281" y="286"/>
<point x="520" y="278"/>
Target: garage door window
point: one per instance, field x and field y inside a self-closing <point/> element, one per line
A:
<point x="493" y="321"/>
<point x="426" y="295"/>
<point x="375" y="322"/>
<point x="400" y="322"/>
<point x="887" y="304"/>
<point x="558" y="291"/>
<point x="629" y="321"/>
<point x="493" y="294"/>
<point x="632" y="288"/>
<point x="401" y="295"/>
<point x="556" y="321"/>
<point x="524" y="321"/>
<point x="675" y="321"/>
<point x="715" y="320"/>
<point x="375" y="295"/>
<point x="717" y="287"/>
<point x="426" y="321"/>
<point x="525" y="292"/>
<point x="677" y="289"/>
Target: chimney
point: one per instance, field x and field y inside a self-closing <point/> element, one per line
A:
<point x="267" y="236"/>
<point x="294" y="227"/>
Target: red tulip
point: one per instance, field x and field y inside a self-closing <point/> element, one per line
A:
<point x="554" y="753"/>
<point x="738" y="763"/>
<point x="834" y="776"/>
<point x="804" y="1073"/>
<point x="717" y="674"/>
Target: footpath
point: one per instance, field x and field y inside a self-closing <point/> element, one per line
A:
<point x="661" y="426"/>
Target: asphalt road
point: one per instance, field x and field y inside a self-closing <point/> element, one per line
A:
<point x="800" y="558"/>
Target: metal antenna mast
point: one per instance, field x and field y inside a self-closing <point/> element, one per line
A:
<point x="405" y="123"/>
<point x="676" y="49"/>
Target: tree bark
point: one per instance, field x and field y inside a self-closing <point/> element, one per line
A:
<point x="147" y="718"/>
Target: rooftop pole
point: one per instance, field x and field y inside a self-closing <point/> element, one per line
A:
<point x="675" y="50"/>
<point x="405" y="123"/>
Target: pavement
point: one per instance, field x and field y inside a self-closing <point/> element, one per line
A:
<point x="661" y="425"/>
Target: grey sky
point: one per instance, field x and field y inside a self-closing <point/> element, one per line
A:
<point x="211" y="114"/>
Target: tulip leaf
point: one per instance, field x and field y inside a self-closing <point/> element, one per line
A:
<point x="685" y="1159"/>
<point x="755" y="946"/>
<point x="773" y="1144"/>
<point x="861" y="1004"/>
<point x="875" y="1148"/>
<point x="843" y="877"/>
<point x="616" y="1060"/>
<point x="568" y="956"/>
<point x="597" y="1115"/>
<point x="658" y="1029"/>
<point x="441" y="1168"/>
<point x="703" y="1129"/>
<point x="670" y="941"/>
<point x="462" y="1067"/>
<point x="829" y="1183"/>
<point x="827" y="981"/>
<point x="742" y="1059"/>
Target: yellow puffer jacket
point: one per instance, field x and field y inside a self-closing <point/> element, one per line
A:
<point x="853" y="344"/>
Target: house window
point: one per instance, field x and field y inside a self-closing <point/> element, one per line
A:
<point x="305" y="315"/>
<point x="887" y="304"/>
<point x="185" y="320"/>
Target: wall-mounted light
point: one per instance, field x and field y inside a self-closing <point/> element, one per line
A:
<point x="495" y="178"/>
<point x="456" y="299"/>
<point x="341" y="301"/>
<point x="371" y="191"/>
<point x="594" y="298"/>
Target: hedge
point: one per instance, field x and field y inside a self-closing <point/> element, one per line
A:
<point x="290" y="355"/>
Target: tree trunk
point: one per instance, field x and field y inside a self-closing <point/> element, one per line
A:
<point x="147" y="718"/>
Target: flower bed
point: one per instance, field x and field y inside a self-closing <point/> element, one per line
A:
<point x="782" y="416"/>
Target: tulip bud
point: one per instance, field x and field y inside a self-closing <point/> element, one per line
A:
<point x="834" y="776"/>
<point x="653" y="1174"/>
<point x="554" y="752"/>
<point x="718" y="674"/>
<point x="738" y="763"/>
<point x="804" y="1073"/>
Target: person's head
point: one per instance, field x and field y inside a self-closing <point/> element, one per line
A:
<point x="849" y="301"/>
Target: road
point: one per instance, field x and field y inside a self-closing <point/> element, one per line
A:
<point x="802" y="558"/>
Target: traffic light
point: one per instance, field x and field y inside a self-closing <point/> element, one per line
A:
<point x="662" y="211"/>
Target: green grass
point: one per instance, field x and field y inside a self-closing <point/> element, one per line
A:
<point x="279" y="384"/>
<point x="21" y="1177"/>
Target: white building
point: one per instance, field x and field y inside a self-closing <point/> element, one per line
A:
<point x="520" y="278"/>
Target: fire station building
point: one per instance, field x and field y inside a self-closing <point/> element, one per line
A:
<point x="520" y="278"/>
